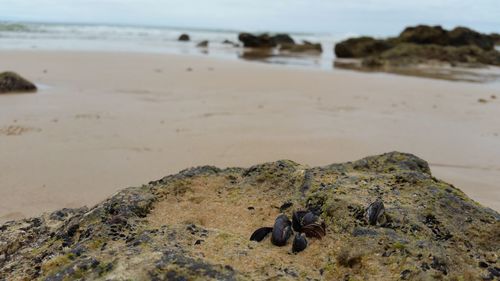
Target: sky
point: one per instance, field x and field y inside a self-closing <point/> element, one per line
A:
<point x="317" y="16"/>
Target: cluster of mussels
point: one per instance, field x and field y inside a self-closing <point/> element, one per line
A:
<point x="307" y="224"/>
<point x="304" y="223"/>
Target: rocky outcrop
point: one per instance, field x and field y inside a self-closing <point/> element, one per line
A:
<point x="13" y="82"/>
<point x="283" y="42"/>
<point x="196" y="225"/>
<point x="257" y="41"/>
<point x="264" y="40"/>
<point x="361" y="47"/>
<point x="424" y="34"/>
<point x="420" y="45"/>
<point x="306" y="46"/>
<point x="229" y="42"/>
<point x="436" y="35"/>
<point x="184" y="37"/>
<point x="283" y="39"/>
<point x="496" y="38"/>
<point x="407" y="54"/>
<point x="202" y="44"/>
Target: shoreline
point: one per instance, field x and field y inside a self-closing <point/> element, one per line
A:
<point x="109" y="120"/>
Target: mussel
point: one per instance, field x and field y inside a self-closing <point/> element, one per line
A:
<point x="260" y="234"/>
<point x="282" y="230"/>
<point x="305" y="223"/>
<point x="375" y="213"/>
<point x="299" y="243"/>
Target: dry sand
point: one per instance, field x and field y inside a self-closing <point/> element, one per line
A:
<point x="104" y="121"/>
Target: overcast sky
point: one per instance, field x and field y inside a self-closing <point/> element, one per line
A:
<point x="329" y="16"/>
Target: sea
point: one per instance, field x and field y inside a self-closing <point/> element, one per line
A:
<point x="152" y="39"/>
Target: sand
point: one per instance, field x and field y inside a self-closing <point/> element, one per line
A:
<point x="105" y="121"/>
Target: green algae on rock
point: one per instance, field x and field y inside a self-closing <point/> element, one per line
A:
<point x="195" y="225"/>
<point x="13" y="82"/>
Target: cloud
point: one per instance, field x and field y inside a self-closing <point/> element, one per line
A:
<point x="360" y="16"/>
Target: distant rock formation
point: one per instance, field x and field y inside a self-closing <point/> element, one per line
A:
<point x="436" y="35"/>
<point x="229" y="42"/>
<point x="257" y="41"/>
<point x="202" y="44"/>
<point x="282" y="41"/>
<point x="386" y="218"/>
<point x="496" y="38"/>
<point x="361" y="47"/>
<point x="13" y="82"/>
<point x="184" y="37"/>
<point x="306" y="46"/>
<point x="264" y="40"/>
<point x="421" y="44"/>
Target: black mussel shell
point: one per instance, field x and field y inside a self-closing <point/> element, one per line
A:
<point x="375" y="212"/>
<point x="299" y="243"/>
<point x="260" y="234"/>
<point x="315" y="230"/>
<point x="282" y="230"/>
<point x="297" y="220"/>
<point x="309" y="218"/>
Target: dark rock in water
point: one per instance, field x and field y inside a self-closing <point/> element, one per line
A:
<point x="184" y="37"/>
<point x="427" y="45"/>
<point x="299" y="243"/>
<point x="301" y="48"/>
<point x="436" y="35"/>
<point x="202" y="44"/>
<point x="13" y="82"/>
<point x="257" y="41"/>
<point x="162" y="231"/>
<point x="265" y="40"/>
<point x="282" y="39"/>
<point x="229" y="42"/>
<point x="361" y="47"/>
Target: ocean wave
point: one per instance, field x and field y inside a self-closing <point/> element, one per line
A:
<point x="14" y="27"/>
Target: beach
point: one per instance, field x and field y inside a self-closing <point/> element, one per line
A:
<point x="102" y="121"/>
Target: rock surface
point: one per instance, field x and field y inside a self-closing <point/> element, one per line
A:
<point x="436" y="35"/>
<point x="264" y="40"/>
<point x="420" y="45"/>
<point x="361" y="47"/>
<point x="196" y="225"/>
<point x="496" y="38"/>
<point x="257" y="41"/>
<point x="202" y="44"/>
<point x="301" y="48"/>
<point x="184" y="37"/>
<point x="13" y="82"/>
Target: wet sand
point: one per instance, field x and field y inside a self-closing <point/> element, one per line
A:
<point x="105" y="121"/>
